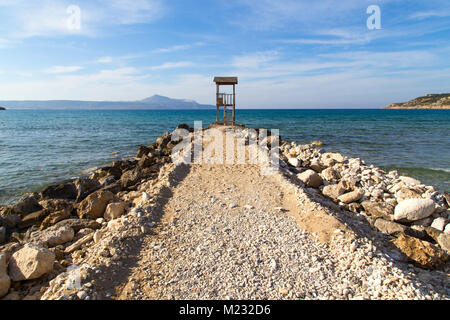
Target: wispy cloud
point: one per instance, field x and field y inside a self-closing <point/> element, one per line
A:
<point x="24" y="19"/>
<point x="104" y="60"/>
<point x="178" y="47"/>
<point x="172" y="65"/>
<point x="62" y="69"/>
<point x="254" y="60"/>
<point x="430" y="14"/>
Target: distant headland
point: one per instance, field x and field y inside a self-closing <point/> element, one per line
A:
<point x="155" y="102"/>
<point x="430" y="101"/>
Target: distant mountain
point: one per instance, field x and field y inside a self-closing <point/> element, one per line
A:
<point x="155" y="102"/>
<point x="430" y="101"/>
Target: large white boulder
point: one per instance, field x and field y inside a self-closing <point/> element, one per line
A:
<point x="30" y="262"/>
<point x="414" y="209"/>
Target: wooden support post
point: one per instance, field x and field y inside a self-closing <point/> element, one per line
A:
<point x="217" y="103"/>
<point x="234" y="103"/>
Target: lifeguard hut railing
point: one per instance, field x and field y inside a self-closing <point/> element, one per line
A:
<point x="226" y="99"/>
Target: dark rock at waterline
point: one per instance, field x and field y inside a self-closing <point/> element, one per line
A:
<point x="27" y="204"/>
<point x="56" y="204"/>
<point x="186" y="127"/>
<point x="131" y="177"/>
<point x="85" y="187"/>
<point x="115" y="171"/>
<point x="2" y="108"/>
<point x="146" y="161"/>
<point x="66" y="190"/>
<point x="113" y="187"/>
<point x="143" y="151"/>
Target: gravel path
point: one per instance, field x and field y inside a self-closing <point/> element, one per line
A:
<point x="213" y="245"/>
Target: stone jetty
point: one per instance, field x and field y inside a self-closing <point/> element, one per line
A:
<point x="320" y="226"/>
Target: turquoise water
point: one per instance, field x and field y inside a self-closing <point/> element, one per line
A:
<point x="41" y="147"/>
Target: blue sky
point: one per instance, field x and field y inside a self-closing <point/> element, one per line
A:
<point x="287" y="54"/>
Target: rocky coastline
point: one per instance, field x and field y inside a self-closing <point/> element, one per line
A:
<point x="73" y="230"/>
<point x="430" y="101"/>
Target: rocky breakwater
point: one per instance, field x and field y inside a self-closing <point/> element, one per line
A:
<point x="43" y="234"/>
<point x="415" y="216"/>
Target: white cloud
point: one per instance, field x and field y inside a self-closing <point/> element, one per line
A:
<point x="105" y="60"/>
<point x="177" y="47"/>
<point x="172" y="65"/>
<point x="62" y="69"/>
<point x="430" y="14"/>
<point x="254" y="60"/>
<point x="24" y="19"/>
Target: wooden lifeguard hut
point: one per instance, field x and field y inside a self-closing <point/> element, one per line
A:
<point x="226" y="100"/>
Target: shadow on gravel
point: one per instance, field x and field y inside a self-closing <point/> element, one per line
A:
<point x="420" y="278"/>
<point x="113" y="279"/>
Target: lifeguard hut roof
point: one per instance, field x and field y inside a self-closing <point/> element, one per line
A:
<point x="226" y="80"/>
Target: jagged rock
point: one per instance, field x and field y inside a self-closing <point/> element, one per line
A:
<point x="53" y="237"/>
<point x="335" y="190"/>
<point x="439" y="223"/>
<point x="414" y="209"/>
<point x="351" y="196"/>
<point x="30" y="262"/>
<point x="56" y="204"/>
<point x="106" y="181"/>
<point x="389" y="227"/>
<point x="78" y="224"/>
<point x="10" y="220"/>
<point x="60" y="191"/>
<point x="113" y="188"/>
<point x="444" y="241"/>
<point x="143" y="151"/>
<point x="55" y="217"/>
<point x="162" y="141"/>
<point x="422" y="253"/>
<point x="34" y="218"/>
<point x="27" y="204"/>
<point x="115" y="210"/>
<point x="330" y="174"/>
<point x="378" y="209"/>
<point x="316" y="166"/>
<point x="79" y="243"/>
<point x="131" y="177"/>
<point x="310" y="178"/>
<point x="94" y="205"/>
<point x="145" y="161"/>
<point x="107" y="171"/>
<point x="5" y="280"/>
<point x="2" y="235"/>
<point x="86" y="186"/>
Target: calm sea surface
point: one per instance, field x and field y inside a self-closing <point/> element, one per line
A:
<point x="41" y="147"/>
